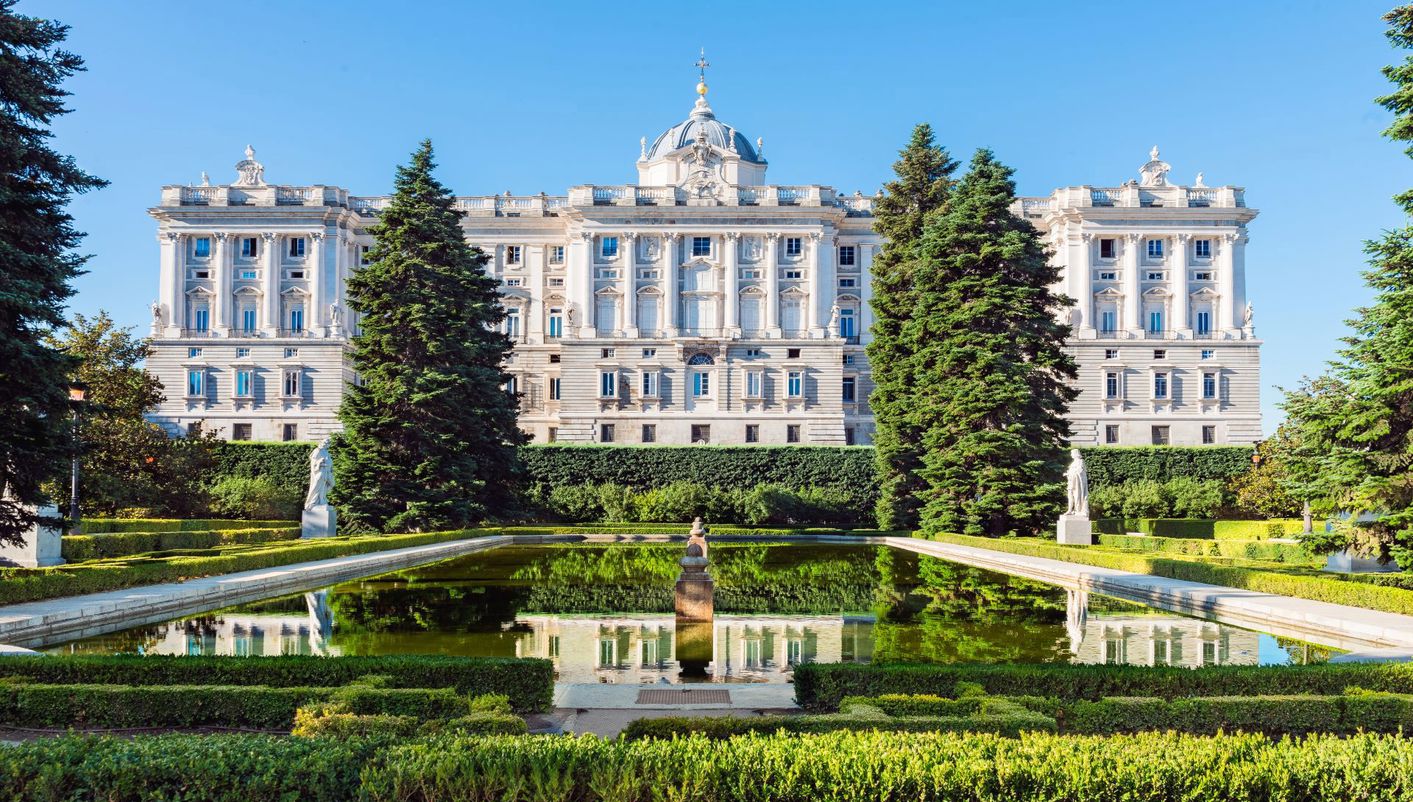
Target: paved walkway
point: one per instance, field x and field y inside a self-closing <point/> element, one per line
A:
<point x="605" y="710"/>
<point x="1336" y="625"/>
<point x="51" y="621"/>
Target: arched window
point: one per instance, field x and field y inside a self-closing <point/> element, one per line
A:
<point x="701" y="359"/>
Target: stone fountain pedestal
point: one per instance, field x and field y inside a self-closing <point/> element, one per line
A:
<point x="42" y="546"/>
<point x="695" y="606"/>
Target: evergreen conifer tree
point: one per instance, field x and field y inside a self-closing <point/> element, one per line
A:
<point x="37" y="263"/>
<point x="430" y="429"/>
<point x="923" y="180"/>
<point x="990" y="367"/>
<point x="1355" y="423"/>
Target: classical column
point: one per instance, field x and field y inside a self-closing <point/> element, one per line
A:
<point x="630" y="283"/>
<point x="174" y="281"/>
<point x="221" y="264"/>
<point x="1082" y="273"/>
<point x="1131" y="322"/>
<point x="1179" y="284"/>
<point x="1226" y="286"/>
<point x="731" y="295"/>
<point x="534" y="321"/>
<point x="270" y="285"/>
<point x="826" y="257"/>
<point x="814" y="321"/>
<point x="579" y="274"/>
<point x="669" y="277"/>
<point x="865" y="257"/>
<point x="318" y="291"/>
<point x="772" y="286"/>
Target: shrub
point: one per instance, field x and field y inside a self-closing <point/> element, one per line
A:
<point x="1194" y="498"/>
<point x="1272" y="715"/>
<point x="576" y="502"/>
<point x="1115" y="465"/>
<point x="1106" y="501"/>
<point x="476" y="723"/>
<point x="100" y="526"/>
<point x="38" y="705"/>
<point x="256" y="498"/>
<point x="79" y="548"/>
<point x="1145" y="498"/>
<point x="1295" y="554"/>
<point x="317" y="723"/>
<point x="996" y="716"/>
<point x="822" y="686"/>
<point x="1257" y="530"/>
<point x="527" y="684"/>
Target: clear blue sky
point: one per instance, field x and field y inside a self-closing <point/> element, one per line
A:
<point x="537" y="96"/>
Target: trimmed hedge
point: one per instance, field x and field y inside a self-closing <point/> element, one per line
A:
<point x="783" y="768"/>
<point x="286" y="464"/>
<point x="78" y="548"/>
<point x="1293" y="553"/>
<point x="529" y="683"/>
<point x="823" y="686"/>
<point x="1272" y="715"/>
<point x="996" y="716"/>
<point x="103" y="526"/>
<point x="1114" y="465"/>
<point x="1257" y="530"/>
<point x="27" y="704"/>
<point x="1302" y="583"/>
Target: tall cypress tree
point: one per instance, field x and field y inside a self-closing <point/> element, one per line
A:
<point x="430" y="430"/>
<point x="37" y="263"/>
<point x="991" y="365"/>
<point x="1355" y="423"/>
<point x="923" y="180"/>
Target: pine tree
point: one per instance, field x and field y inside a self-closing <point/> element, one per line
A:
<point x="37" y="263"/>
<point x="1356" y="422"/>
<point x="923" y="180"/>
<point x="991" y="367"/>
<point x="430" y="430"/>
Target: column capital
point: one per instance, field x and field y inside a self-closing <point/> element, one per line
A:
<point x="587" y="236"/>
<point x="1182" y="238"/>
<point x="629" y="236"/>
<point x="1087" y="236"/>
<point x="772" y="235"/>
<point x="173" y="237"/>
<point x="317" y="236"/>
<point x="674" y="237"/>
<point x="1132" y="237"/>
<point x="816" y="236"/>
<point x="220" y="236"/>
<point x="268" y="236"/>
<point x="732" y="236"/>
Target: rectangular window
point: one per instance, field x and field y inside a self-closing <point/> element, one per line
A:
<point x="554" y="359"/>
<point x="701" y="246"/>
<point x="1208" y="353"/>
<point x="296" y="318"/>
<point x="199" y="274"/>
<point x="1202" y="275"/>
<point x="1111" y="434"/>
<point x="849" y="389"/>
<point x="1209" y="385"/>
<point x="1204" y="322"/>
<point x="1160" y="353"/>
<point x="795" y="384"/>
<point x="512" y="254"/>
<point x="249" y="320"/>
<point x="1106" y="249"/>
<point x="1156" y="275"/>
<point x="792" y="353"/>
<point x="1108" y="321"/>
<point x="847" y="325"/>
<point x="289" y="431"/>
<point x="296" y="274"/>
<point x="608" y="246"/>
<point x="1111" y="353"/>
<point x="1160" y="386"/>
<point x="607" y="353"/>
<point x="848" y="283"/>
<point x="848" y="435"/>
<point x="1108" y="275"/>
<point x="249" y="275"/>
<point x="792" y="433"/>
<point x="556" y="254"/>
<point x="753" y="384"/>
<point x="754" y="353"/>
<point x="649" y="384"/>
<point x="363" y="255"/>
<point x="193" y="353"/>
<point x="701" y="384"/>
<point x="753" y="433"/>
<point x="794" y="274"/>
<point x="606" y="432"/>
<point x="556" y="324"/>
<point x="244" y="383"/>
<point x="196" y="383"/>
<point x="513" y="282"/>
<point x="552" y="434"/>
<point x="848" y="359"/>
<point x="249" y="247"/>
<point x="201" y="248"/>
<point x="701" y="433"/>
<point x="292" y="384"/>
<point x="554" y="388"/>
<point x="203" y="319"/>
<point x="240" y="431"/>
<point x="1111" y="384"/>
<point x="1209" y="435"/>
<point x="794" y="246"/>
<point x="649" y="433"/>
<point x="649" y="353"/>
<point x="296" y="247"/>
<point x="512" y="323"/>
<point x="242" y="353"/>
<point x="608" y="384"/>
<point x="512" y="386"/>
<point x="847" y="255"/>
<point x="1155" y="322"/>
<point x="1155" y="249"/>
<point x="1202" y="248"/>
<point x="291" y="353"/>
<point x="1160" y="436"/>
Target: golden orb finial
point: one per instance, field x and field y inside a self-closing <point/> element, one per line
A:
<point x="701" y="65"/>
<point x="702" y="88"/>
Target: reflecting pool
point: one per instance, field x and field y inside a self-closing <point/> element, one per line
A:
<point x="603" y="613"/>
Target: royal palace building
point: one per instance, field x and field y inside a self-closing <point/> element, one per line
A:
<point x="700" y="304"/>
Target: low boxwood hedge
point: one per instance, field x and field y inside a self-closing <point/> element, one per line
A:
<point x="822" y="686"/>
<point x="79" y="548"/>
<point x="1257" y="530"/>
<point x="775" y="768"/>
<point x="992" y="715"/>
<point x="528" y="683"/>
<point x="1261" y="550"/>
<point x="96" y="526"/>
<point x="1272" y="715"/>
<point x="26" y="704"/>
<point x="1303" y="583"/>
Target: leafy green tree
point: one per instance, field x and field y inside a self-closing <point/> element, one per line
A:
<point x="1266" y="491"/>
<point x="120" y="449"/>
<point x="990" y="367"/>
<point x="430" y="429"/>
<point x="37" y="263"/>
<point x="924" y="179"/>
<point x="1355" y="423"/>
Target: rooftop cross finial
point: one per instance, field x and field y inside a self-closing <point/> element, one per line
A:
<point x="701" y="65"/>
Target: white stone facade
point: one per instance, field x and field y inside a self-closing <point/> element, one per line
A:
<point x="700" y="304"/>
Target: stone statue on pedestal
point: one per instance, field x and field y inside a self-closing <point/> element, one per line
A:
<point x="319" y="518"/>
<point x="694" y="633"/>
<point x="1074" y="526"/>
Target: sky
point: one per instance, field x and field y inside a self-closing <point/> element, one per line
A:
<point x="1276" y="97"/>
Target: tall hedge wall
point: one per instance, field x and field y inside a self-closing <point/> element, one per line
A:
<point x="285" y="463"/>
<point x="1114" y="465"/>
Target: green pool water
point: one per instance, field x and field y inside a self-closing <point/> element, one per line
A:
<point x="604" y="613"/>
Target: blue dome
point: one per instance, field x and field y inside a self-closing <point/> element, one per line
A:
<point x="685" y="133"/>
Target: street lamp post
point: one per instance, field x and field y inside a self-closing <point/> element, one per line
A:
<point x="77" y="391"/>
